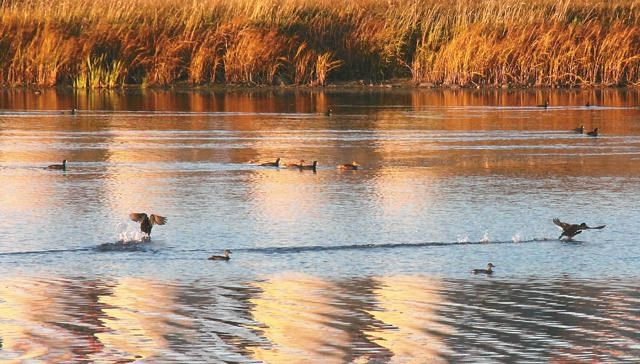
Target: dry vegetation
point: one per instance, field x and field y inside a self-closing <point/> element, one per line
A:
<point x="95" y="44"/>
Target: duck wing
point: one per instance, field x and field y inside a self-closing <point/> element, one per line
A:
<point x="157" y="219"/>
<point x="563" y="225"/>
<point x="137" y="216"/>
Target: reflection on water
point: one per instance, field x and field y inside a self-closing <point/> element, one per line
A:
<point x="361" y="266"/>
<point x="291" y="317"/>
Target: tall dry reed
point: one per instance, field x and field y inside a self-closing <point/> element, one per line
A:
<point x="93" y="44"/>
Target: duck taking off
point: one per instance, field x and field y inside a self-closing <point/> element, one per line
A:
<point x="61" y="167"/>
<point x="489" y="270"/>
<point x="571" y="230"/>
<point x="147" y="222"/>
<point x="221" y="257"/>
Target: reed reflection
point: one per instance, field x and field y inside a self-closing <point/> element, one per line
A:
<point x="408" y="308"/>
<point x="138" y="317"/>
<point x="294" y="311"/>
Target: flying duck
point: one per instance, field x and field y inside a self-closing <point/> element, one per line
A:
<point x="349" y="166"/>
<point x="62" y="167"/>
<point x="579" y="130"/>
<point x="571" y="230"/>
<point x="308" y="166"/>
<point x="147" y="222"/>
<point x="221" y="257"/>
<point x="272" y="164"/>
<point x="489" y="270"/>
<point x="593" y="133"/>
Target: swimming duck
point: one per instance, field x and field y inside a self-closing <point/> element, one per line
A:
<point x="308" y="166"/>
<point x="147" y="222"/>
<point x="593" y="133"/>
<point x="295" y="165"/>
<point x="221" y="257"/>
<point x="328" y="112"/>
<point x="545" y="105"/>
<point x="62" y="167"/>
<point x="349" y="166"/>
<point x="588" y="104"/>
<point x="272" y="164"/>
<point x="571" y="230"/>
<point x="579" y="130"/>
<point x="489" y="270"/>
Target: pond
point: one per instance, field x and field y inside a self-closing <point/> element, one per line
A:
<point x="367" y="266"/>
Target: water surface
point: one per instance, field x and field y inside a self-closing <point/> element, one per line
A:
<point x="358" y="266"/>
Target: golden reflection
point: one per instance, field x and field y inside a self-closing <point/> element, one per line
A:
<point x="28" y="312"/>
<point x="296" y="312"/>
<point x="409" y="305"/>
<point x="138" y="318"/>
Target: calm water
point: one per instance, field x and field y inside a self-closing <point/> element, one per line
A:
<point x="367" y="266"/>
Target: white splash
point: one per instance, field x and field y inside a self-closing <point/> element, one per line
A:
<point x="485" y="237"/>
<point x="463" y="239"/>
<point x="516" y="238"/>
<point x="126" y="234"/>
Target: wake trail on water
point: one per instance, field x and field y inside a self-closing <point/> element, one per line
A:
<point x="134" y="242"/>
<point x="314" y="248"/>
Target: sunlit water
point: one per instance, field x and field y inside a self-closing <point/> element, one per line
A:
<point x="365" y="266"/>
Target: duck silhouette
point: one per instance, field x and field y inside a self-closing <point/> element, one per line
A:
<point x="60" y="167"/>
<point x="593" y="133"/>
<point x="571" y="230"/>
<point x="579" y="130"/>
<point x="221" y="257"/>
<point x="545" y="105"/>
<point x="272" y="164"/>
<point x="489" y="270"/>
<point x="311" y="167"/>
<point x="349" y="166"/>
<point x="329" y="112"/>
<point x="147" y="221"/>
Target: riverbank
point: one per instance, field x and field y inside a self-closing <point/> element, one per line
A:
<point x="541" y="43"/>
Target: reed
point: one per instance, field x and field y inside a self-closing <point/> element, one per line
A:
<point x="107" y="44"/>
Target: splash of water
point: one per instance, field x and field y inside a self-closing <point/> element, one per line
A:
<point x="125" y="234"/>
<point x="516" y="238"/>
<point x="485" y="237"/>
<point x="463" y="239"/>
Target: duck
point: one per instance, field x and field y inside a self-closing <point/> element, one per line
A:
<point x="221" y="257"/>
<point x="147" y="221"/>
<point x="349" y="166"/>
<point x="272" y="164"/>
<point x="545" y="105"/>
<point x="311" y="167"/>
<point x="489" y="269"/>
<point x="329" y="112"/>
<point x="588" y="104"/>
<point x="295" y="165"/>
<point x="593" y="133"/>
<point x="579" y="130"/>
<point x="571" y="230"/>
<point x="61" y="167"/>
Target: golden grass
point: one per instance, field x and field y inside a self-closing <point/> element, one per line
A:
<point x="93" y="44"/>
